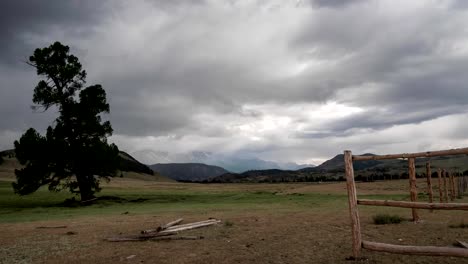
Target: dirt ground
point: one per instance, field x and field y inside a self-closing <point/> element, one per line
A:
<point x="249" y="236"/>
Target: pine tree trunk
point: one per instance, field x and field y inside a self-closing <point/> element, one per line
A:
<point x="86" y="192"/>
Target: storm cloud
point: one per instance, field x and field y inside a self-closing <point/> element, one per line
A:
<point x="278" y="80"/>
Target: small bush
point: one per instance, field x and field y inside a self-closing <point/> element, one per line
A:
<point x="384" y="219"/>
<point x="461" y="225"/>
<point x="228" y="223"/>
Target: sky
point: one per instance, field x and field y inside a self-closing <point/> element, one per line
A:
<point x="290" y="81"/>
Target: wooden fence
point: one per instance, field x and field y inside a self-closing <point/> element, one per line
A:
<point x="353" y="202"/>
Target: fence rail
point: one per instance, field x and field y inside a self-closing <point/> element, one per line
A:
<point x="353" y="202"/>
<point x="416" y="205"/>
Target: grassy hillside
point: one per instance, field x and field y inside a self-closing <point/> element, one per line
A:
<point x="333" y="170"/>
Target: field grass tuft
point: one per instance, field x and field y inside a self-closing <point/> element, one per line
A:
<point x="384" y="219"/>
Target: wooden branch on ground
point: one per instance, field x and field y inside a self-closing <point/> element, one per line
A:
<point x="163" y="232"/>
<point x="50" y="227"/>
<point x="189" y="227"/>
<point x="419" y="205"/>
<point x="194" y="223"/>
<point x="138" y="237"/>
<point x="415" y="250"/>
<point x="163" y="227"/>
<point x="89" y="201"/>
<point x="462" y="244"/>
<point x="177" y="238"/>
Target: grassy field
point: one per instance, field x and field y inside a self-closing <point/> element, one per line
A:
<point x="262" y="223"/>
<point x="155" y="198"/>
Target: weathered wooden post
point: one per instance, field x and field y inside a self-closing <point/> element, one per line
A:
<point x="459" y="187"/>
<point x="452" y="182"/>
<point x="444" y="173"/>
<point x="439" y="175"/>
<point x="451" y="190"/>
<point x="413" y="189"/>
<point x="352" y="201"/>
<point x="429" y="182"/>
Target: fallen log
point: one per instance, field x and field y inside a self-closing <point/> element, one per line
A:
<point x="138" y="237"/>
<point x="462" y="244"/>
<point x="163" y="227"/>
<point x="47" y="227"/>
<point x="194" y="223"/>
<point x="189" y="227"/>
<point x="419" y="205"/>
<point x="415" y="250"/>
<point x="177" y="238"/>
<point x="89" y="201"/>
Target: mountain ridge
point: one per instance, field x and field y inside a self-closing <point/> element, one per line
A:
<point x="231" y="162"/>
<point x="188" y="171"/>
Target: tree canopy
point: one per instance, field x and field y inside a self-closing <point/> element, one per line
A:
<point x="74" y="154"/>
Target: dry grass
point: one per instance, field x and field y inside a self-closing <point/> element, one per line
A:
<point x="268" y="223"/>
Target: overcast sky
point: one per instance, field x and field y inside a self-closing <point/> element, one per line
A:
<point x="279" y="80"/>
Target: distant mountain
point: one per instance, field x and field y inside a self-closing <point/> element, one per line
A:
<point x="188" y="171"/>
<point x="128" y="163"/>
<point x="337" y="164"/>
<point x="229" y="162"/>
<point x="333" y="169"/>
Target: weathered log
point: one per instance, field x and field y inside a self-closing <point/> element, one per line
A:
<point x="352" y="202"/>
<point x="189" y="227"/>
<point x="413" y="189"/>
<point x="89" y="200"/>
<point x="51" y="227"/>
<point x="194" y="223"/>
<point x="418" y="205"/>
<point x="177" y="238"/>
<point x="462" y="244"/>
<point x="163" y="227"/>
<point x="414" y="155"/>
<point x="415" y="250"/>
<point x="139" y="237"/>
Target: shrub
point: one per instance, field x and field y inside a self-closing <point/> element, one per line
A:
<point x="383" y="219"/>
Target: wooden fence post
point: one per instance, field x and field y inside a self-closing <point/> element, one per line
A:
<point x="444" y="173"/>
<point x="429" y="182"/>
<point x="352" y="201"/>
<point x="452" y="183"/>
<point x="439" y="175"/>
<point x="459" y="186"/>
<point x="413" y="189"/>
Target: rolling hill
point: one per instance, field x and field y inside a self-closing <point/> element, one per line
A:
<point x="333" y="170"/>
<point x="188" y="171"/>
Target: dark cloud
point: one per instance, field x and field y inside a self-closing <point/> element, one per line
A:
<point x="21" y="19"/>
<point x="247" y="77"/>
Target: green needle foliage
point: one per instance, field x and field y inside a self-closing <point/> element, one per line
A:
<point x="74" y="154"/>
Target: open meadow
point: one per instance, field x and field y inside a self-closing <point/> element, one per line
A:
<point x="261" y="223"/>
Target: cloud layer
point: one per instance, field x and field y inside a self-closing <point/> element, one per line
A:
<point x="283" y="81"/>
